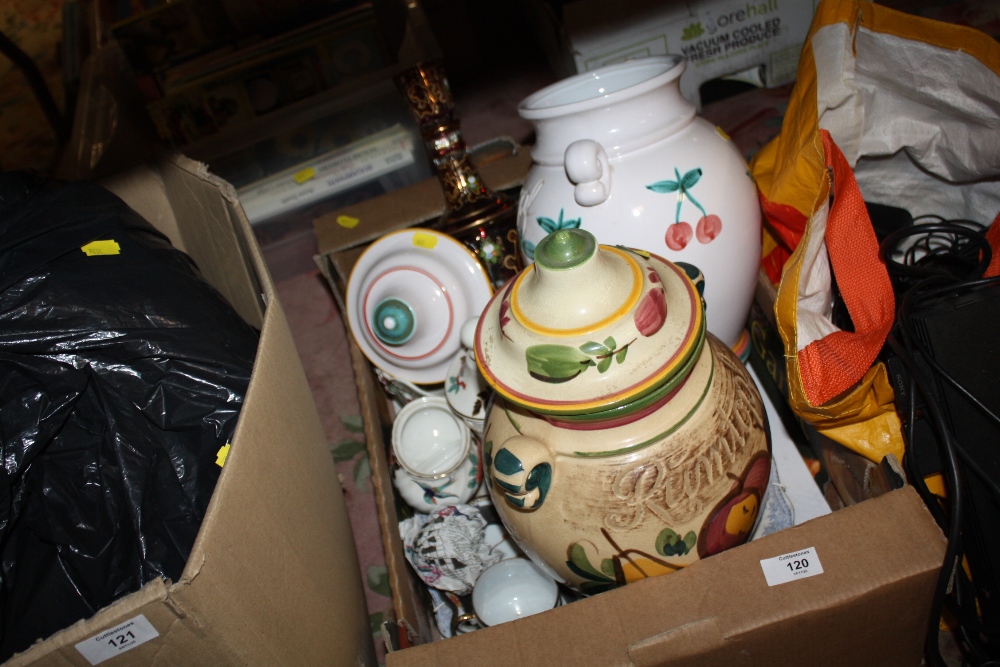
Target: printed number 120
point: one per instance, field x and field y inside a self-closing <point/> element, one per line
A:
<point x="798" y="564"/>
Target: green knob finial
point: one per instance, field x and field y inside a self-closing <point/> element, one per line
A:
<point x="565" y="249"/>
<point x="393" y="321"/>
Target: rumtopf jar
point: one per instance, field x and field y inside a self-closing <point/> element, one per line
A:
<point x="623" y="440"/>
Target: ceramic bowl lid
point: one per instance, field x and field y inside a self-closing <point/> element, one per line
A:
<point x="407" y="297"/>
<point x="589" y="328"/>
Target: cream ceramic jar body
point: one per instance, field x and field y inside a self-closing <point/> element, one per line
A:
<point x="600" y="504"/>
<point x="620" y="153"/>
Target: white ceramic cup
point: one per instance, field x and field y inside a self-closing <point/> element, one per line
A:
<point x="433" y="448"/>
<point x="512" y="589"/>
<point x="428" y="439"/>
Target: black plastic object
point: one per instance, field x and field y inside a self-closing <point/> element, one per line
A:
<point x="122" y="374"/>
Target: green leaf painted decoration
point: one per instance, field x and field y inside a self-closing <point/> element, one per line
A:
<point x="506" y="463"/>
<point x="664" y="187"/>
<point x="683" y="184"/>
<point x="487" y="454"/>
<point x="539" y="478"/>
<point x="593" y="348"/>
<point x="578" y="557"/>
<point x="669" y="543"/>
<point x="560" y="363"/>
<point x="595" y="581"/>
<point x="555" y="363"/>
<point x="690" y="179"/>
<point x="549" y="225"/>
<point x="528" y="248"/>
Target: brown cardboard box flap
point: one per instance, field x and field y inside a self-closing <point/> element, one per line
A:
<point x="408" y="206"/>
<point x="225" y="252"/>
<point x="870" y="605"/>
<point x="152" y="601"/>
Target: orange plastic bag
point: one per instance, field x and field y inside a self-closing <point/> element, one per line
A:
<point x="887" y="108"/>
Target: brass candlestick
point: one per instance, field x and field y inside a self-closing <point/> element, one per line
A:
<point x="485" y="221"/>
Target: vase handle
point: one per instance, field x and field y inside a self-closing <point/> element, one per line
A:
<point x="522" y="467"/>
<point x="587" y="167"/>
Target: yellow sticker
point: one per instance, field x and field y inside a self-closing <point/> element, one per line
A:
<point x="722" y="133"/>
<point x="107" y="247"/>
<point x="935" y="484"/>
<point x="220" y="456"/>
<point x="306" y="174"/>
<point x="347" y="222"/>
<point x="425" y="240"/>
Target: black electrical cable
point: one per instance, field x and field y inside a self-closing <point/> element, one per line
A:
<point x="961" y="603"/>
<point x="947" y="256"/>
<point x="952" y="551"/>
<point x="27" y="66"/>
<point x="911" y="463"/>
<point x="942" y="372"/>
<point x="914" y="343"/>
<point x="965" y="243"/>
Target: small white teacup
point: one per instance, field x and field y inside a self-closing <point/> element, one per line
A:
<point x="512" y="589"/>
<point x="439" y="462"/>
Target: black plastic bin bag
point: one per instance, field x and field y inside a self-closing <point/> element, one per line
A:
<point x="122" y="374"/>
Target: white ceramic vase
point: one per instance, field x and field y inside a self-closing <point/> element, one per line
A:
<point x="619" y="152"/>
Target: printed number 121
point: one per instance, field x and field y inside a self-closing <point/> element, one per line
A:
<point x="121" y="639"/>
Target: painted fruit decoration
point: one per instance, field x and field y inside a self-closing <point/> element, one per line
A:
<point x="651" y="313"/>
<point x="709" y="226"/>
<point x="627" y="565"/>
<point x="734" y="517"/>
<point x="679" y="234"/>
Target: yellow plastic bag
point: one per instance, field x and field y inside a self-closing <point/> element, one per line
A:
<point x="887" y="108"/>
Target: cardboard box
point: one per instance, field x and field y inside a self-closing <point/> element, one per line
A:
<point x="758" y="40"/>
<point x="870" y="605"/>
<point x="273" y="577"/>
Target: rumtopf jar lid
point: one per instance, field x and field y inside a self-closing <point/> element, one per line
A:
<point x="589" y="329"/>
